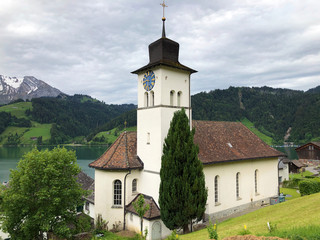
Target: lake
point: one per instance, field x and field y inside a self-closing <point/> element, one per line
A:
<point x="9" y="157"/>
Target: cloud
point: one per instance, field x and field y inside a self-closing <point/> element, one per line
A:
<point x="90" y="47"/>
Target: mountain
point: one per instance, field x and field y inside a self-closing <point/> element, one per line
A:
<point x="28" y="87"/>
<point x="314" y="90"/>
<point x="282" y="114"/>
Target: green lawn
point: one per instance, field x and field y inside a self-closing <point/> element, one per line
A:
<point x="300" y="175"/>
<point x="250" y="125"/>
<point x="290" y="191"/>
<point x="17" y="109"/>
<point x="299" y="212"/>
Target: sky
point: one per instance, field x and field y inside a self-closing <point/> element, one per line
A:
<point x="92" y="46"/>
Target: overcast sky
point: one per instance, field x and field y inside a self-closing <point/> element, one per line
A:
<point x="91" y="46"/>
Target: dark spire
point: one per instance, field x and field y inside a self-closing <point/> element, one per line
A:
<point x="163" y="27"/>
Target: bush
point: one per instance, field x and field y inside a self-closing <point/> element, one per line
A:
<point x="308" y="187"/>
<point x="212" y="230"/>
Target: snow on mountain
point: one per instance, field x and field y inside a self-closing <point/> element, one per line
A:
<point x="28" y="87"/>
<point x="12" y="81"/>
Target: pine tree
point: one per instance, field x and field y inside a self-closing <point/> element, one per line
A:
<point x="182" y="193"/>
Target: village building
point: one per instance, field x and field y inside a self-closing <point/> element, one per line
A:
<point x="240" y="169"/>
<point x="309" y="153"/>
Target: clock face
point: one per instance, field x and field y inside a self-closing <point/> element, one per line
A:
<point x="149" y="80"/>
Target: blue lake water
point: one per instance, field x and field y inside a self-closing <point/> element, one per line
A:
<point x="10" y="156"/>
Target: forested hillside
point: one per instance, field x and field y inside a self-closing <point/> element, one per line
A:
<point x="274" y="112"/>
<point x="72" y="117"/>
<point x="62" y="120"/>
<point x="281" y="114"/>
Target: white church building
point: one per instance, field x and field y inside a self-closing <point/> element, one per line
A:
<point x="240" y="169"/>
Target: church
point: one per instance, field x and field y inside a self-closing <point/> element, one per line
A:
<point x="240" y="169"/>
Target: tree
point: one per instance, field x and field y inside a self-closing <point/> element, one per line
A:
<point x="141" y="208"/>
<point x="182" y="193"/>
<point x="42" y="195"/>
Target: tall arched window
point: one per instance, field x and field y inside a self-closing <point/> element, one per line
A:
<point x="117" y="192"/>
<point x="146" y="99"/>
<point x="179" y="98"/>
<point x="237" y="185"/>
<point x="134" y="185"/>
<point x="256" y="181"/>
<point x="171" y="98"/>
<point x="216" y="189"/>
<point x="152" y="98"/>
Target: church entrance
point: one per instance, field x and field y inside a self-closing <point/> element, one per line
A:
<point x="156" y="231"/>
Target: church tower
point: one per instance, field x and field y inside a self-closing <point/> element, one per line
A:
<point x="163" y="88"/>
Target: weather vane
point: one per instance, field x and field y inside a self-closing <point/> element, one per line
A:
<point x="163" y="5"/>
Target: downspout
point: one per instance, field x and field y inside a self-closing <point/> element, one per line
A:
<point x="278" y="177"/>
<point x="124" y="201"/>
<point x="190" y="120"/>
<point x="125" y="182"/>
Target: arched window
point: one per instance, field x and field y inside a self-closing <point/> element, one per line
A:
<point x="179" y="98"/>
<point x="171" y="98"/>
<point x="117" y="192"/>
<point x="237" y="185"/>
<point x="146" y="99"/>
<point x="152" y="98"/>
<point x="216" y="189"/>
<point x="256" y="181"/>
<point x="134" y="185"/>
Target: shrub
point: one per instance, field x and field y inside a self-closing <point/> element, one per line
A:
<point x="173" y="236"/>
<point x="245" y="231"/>
<point x="309" y="186"/>
<point x="212" y="230"/>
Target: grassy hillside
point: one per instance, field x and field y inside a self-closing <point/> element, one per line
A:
<point x="17" y="109"/>
<point x="299" y="212"/>
<point x="262" y="136"/>
<point x="25" y="134"/>
<point x="109" y="136"/>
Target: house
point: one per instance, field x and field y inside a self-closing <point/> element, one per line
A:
<point x="87" y="183"/>
<point x="295" y="166"/>
<point x="283" y="169"/>
<point x="309" y="152"/>
<point x="240" y="169"/>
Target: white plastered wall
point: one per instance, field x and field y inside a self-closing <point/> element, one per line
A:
<point x="104" y="194"/>
<point x="284" y="173"/>
<point x="267" y="183"/>
<point x="134" y="225"/>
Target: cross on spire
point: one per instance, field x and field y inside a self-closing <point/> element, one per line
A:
<point x="163" y="5"/>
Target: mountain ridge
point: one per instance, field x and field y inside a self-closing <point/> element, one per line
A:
<point x="28" y="87"/>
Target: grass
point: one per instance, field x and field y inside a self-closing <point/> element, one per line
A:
<point x="296" y="213"/>
<point x="290" y="191"/>
<point x="300" y="175"/>
<point x="262" y="136"/>
<point x="17" y="109"/>
<point x="110" y="135"/>
<point x="36" y="130"/>
<point x="13" y="131"/>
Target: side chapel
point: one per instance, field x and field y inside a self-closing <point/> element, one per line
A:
<point x="240" y="169"/>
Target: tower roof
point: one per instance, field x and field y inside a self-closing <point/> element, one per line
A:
<point x="122" y="154"/>
<point x="164" y="52"/>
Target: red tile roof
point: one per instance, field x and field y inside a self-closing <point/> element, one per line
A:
<point x="152" y="213"/>
<point x="229" y="141"/>
<point x="122" y="154"/>
<point x="218" y="142"/>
